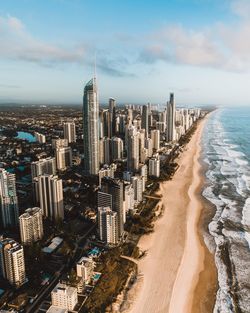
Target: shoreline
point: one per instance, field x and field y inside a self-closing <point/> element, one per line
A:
<point x="166" y="270"/>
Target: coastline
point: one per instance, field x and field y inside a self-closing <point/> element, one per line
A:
<point x="174" y="275"/>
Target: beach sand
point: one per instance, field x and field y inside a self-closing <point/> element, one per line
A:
<point x="178" y="274"/>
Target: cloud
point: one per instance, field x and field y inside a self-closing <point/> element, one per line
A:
<point x="241" y="8"/>
<point x="9" y="86"/>
<point x="220" y="46"/>
<point x="18" y="44"/>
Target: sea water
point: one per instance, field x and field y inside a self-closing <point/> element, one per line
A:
<point x="226" y="150"/>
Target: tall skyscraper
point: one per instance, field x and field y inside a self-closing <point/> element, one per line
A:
<point x="105" y="150"/>
<point x="112" y="113"/>
<point x="154" y="166"/>
<point x="133" y="149"/>
<point x="91" y="128"/>
<point x="114" y="188"/>
<point x="155" y="136"/>
<point x="116" y="148"/>
<point x="51" y="196"/>
<point x="9" y="211"/>
<point x="43" y="166"/>
<point x="69" y="131"/>
<point x="31" y="225"/>
<point x="170" y="135"/>
<point x="108" y="225"/>
<point x="144" y="123"/>
<point x="12" y="266"/>
<point x="63" y="158"/>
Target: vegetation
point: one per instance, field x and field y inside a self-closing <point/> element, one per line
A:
<point x="115" y="274"/>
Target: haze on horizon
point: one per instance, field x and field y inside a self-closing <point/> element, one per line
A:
<point x="199" y="49"/>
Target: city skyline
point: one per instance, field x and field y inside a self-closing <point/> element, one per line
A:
<point x="196" y="49"/>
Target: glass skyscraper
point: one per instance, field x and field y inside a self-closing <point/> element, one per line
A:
<point x="91" y="128"/>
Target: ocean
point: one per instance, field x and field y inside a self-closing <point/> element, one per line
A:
<point x="226" y="151"/>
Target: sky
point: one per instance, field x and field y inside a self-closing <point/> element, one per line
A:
<point x="198" y="49"/>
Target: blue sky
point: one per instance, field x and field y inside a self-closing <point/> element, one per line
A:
<point x="199" y="49"/>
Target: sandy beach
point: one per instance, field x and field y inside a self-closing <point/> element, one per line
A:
<point x="178" y="274"/>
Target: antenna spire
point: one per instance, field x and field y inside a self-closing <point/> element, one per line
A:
<point x="95" y="67"/>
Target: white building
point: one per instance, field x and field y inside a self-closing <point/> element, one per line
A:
<point x="129" y="196"/>
<point x="43" y="166"/>
<point x="50" y="191"/>
<point x="12" y="266"/>
<point x="155" y="136"/>
<point x="85" y="269"/>
<point x="137" y="184"/>
<point x="116" y="148"/>
<point x="59" y="143"/>
<point x="108" y="225"/>
<point x="9" y="210"/>
<point x="64" y="296"/>
<point x="63" y="158"/>
<point x="40" y="137"/>
<point x="31" y="225"/>
<point x="154" y="166"/>
<point x="69" y="131"/>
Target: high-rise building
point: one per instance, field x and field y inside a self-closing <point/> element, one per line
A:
<point x="154" y="166"/>
<point x="59" y="143"/>
<point x="69" y="131"/>
<point x="43" y="166"/>
<point x="85" y="269"/>
<point x="51" y="197"/>
<point x="137" y="184"/>
<point x="114" y="187"/>
<point x="31" y="225"/>
<point x="12" y="265"/>
<point x="112" y="113"/>
<point x="155" y="136"/>
<point x="170" y="135"/>
<point x="9" y="211"/>
<point x="129" y="197"/>
<point x="105" y="150"/>
<point x="40" y="137"/>
<point x="133" y="149"/>
<point x="64" y="297"/>
<point x="107" y="171"/>
<point x="108" y="225"/>
<point x="63" y="158"/>
<point x="116" y="148"/>
<point x="144" y="123"/>
<point x="91" y="128"/>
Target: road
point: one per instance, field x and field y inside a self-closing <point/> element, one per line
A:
<point x="63" y="270"/>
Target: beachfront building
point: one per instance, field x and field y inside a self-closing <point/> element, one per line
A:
<point x="170" y="133"/>
<point x="108" y="225"/>
<point x="85" y="269"/>
<point x="154" y="166"/>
